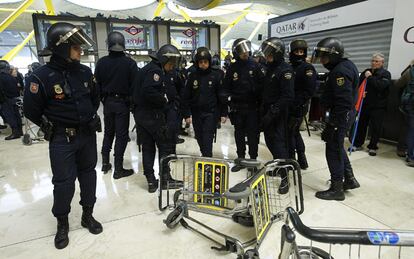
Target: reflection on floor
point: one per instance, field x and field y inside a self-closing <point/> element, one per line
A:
<point x="133" y="225"/>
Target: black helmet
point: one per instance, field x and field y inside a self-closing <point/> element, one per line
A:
<point x="241" y="46"/>
<point x="295" y="45"/>
<point x="330" y="47"/>
<point x="202" y="53"/>
<point x="62" y="35"/>
<point x="168" y="53"/>
<point x="4" y="66"/>
<point x="273" y="47"/>
<point x="116" y="41"/>
<point x="35" y="65"/>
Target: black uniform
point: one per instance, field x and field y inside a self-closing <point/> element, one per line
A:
<point x="305" y="85"/>
<point x="8" y="85"/>
<point x="151" y="105"/>
<point x="115" y="75"/>
<point x="278" y="93"/>
<point x="374" y="106"/>
<point x="66" y="95"/>
<point x="174" y="85"/>
<point x="243" y="85"/>
<point x="201" y="100"/>
<point x="339" y="99"/>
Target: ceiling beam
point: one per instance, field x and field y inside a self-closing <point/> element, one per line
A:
<point x="19" y="10"/>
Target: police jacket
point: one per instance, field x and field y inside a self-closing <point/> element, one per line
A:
<point x="243" y="82"/>
<point x="173" y="87"/>
<point x="340" y="92"/>
<point x="305" y="85"/>
<point x="377" y="88"/>
<point x="202" y="93"/>
<point x="150" y="88"/>
<point x="64" y="92"/>
<point x="115" y="74"/>
<point x="8" y="85"/>
<point x="278" y="90"/>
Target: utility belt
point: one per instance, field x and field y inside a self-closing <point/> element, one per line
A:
<point x="122" y="97"/>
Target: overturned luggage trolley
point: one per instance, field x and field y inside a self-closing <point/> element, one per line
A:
<point x="330" y="243"/>
<point x="254" y="201"/>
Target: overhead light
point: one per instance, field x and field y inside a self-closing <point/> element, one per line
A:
<point x="259" y="17"/>
<point x="108" y="5"/>
<point x="9" y="1"/>
<point x="217" y="11"/>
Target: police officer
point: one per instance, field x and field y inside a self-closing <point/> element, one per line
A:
<point x="201" y="101"/>
<point x="8" y="85"/>
<point x="277" y="94"/>
<point x="151" y="104"/>
<point x="114" y="76"/>
<point x="305" y="84"/>
<point x="338" y="98"/>
<point x="174" y="86"/>
<point x="62" y="99"/>
<point x="243" y="89"/>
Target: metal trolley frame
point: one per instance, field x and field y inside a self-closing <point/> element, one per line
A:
<point x="362" y="238"/>
<point x="254" y="202"/>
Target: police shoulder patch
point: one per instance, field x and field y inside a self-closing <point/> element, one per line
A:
<point x="235" y="75"/>
<point x="156" y="77"/>
<point x="309" y="72"/>
<point x="34" y="88"/>
<point x="288" y="76"/>
<point x="340" y="81"/>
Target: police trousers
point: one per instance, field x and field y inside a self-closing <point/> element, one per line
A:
<point x="246" y="123"/>
<point x="70" y="159"/>
<point x="205" y="124"/>
<point x="116" y="120"/>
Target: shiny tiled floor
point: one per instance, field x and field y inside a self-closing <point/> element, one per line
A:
<point x="133" y="225"/>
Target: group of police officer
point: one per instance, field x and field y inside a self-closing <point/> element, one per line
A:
<point x="63" y="96"/>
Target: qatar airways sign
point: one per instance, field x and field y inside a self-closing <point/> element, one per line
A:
<point x="359" y="13"/>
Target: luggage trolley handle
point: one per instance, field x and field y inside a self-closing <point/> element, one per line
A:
<point x="161" y="176"/>
<point x="351" y="237"/>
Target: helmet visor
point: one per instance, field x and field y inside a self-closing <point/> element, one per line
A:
<point x="173" y="58"/>
<point x="77" y="37"/>
<point x="268" y="48"/>
<point x="242" y="47"/>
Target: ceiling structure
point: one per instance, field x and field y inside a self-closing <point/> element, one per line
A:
<point x="229" y="9"/>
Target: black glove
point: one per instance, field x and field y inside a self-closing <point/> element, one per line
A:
<point x="267" y="120"/>
<point x="95" y="124"/>
<point x="328" y="132"/>
<point x="47" y="128"/>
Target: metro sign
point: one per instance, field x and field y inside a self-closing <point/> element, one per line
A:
<point x="133" y="30"/>
<point x="189" y="33"/>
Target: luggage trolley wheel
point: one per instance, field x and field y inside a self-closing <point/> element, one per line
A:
<point x="27" y="140"/>
<point x="251" y="254"/>
<point x="174" y="217"/>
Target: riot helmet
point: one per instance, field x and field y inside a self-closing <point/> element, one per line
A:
<point x="62" y="35"/>
<point x="330" y="48"/>
<point x="116" y="41"/>
<point x="241" y="46"/>
<point x="4" y="67"/>
<point x="297" y="45"/>
<point x="168" y="53"/>
<point x="273" y="47"/>
<point x="202" y="53"/>
<point x="215" y="61"/>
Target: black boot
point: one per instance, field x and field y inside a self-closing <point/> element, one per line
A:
<point x="335" y="192"/>
<point x="120" y="171"/>
<point x="152" y="183"/>
<point x="350" y="182"/>
<point x="89" y="222"/>
<point x="303" y="162"/>
<point x="106" y="165"/>
<point x="284" y="183"/>
<point x="15" y="135"/>
<point x="61" y="237"/>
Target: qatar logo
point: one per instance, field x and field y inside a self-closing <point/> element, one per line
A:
<point x="189" y="33"/>
<point x="406" y="35"/>
<point x="133" y="30"/>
